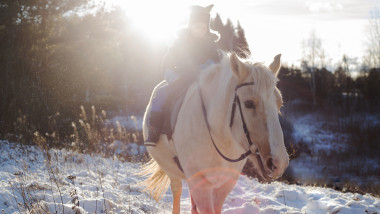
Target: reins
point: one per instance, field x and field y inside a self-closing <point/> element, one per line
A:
<point x="246" y="132"/>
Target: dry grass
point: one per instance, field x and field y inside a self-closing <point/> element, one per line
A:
<point x="91" y="133"/>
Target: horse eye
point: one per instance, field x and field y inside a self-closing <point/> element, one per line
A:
<point x="249" y="104"/>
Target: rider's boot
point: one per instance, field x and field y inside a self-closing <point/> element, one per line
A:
<point x="154" y="128"/>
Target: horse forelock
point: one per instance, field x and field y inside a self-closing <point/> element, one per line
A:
<point x="265" y="80"/>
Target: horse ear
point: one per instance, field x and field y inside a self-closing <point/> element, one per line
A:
<point x="237" y="66"/>
<point x="208" y="8"/>
<point x="276" y="64"/>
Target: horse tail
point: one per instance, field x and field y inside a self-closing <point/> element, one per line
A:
<point x="158" y="182"/>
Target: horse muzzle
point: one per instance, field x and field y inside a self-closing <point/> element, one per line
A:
<point x="270" y="168"/>
<point x="275" y="168"/>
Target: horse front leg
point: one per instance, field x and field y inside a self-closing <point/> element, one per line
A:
<point x="176" y="187"/>
<point x="221" y="193"/>
<point x="202" y="198"/>
<point x="193" y="206"/>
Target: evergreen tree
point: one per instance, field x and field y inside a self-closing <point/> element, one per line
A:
<point x="241" y="45"/>
<point x="231" y="38"/>
<point x="216" y="23"/>
<point x="227" y="36"/>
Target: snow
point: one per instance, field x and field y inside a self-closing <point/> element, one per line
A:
<point x="119" y="147"/>
<point x="108" y="185"/>
<point x="322" y="138"/>
<point x="130" y="122"/>
<point x="311" y="130"/>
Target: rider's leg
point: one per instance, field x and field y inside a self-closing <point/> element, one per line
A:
<point x="156" y="116"/>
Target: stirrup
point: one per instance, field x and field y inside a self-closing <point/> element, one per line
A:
<point x="150" y="144"/>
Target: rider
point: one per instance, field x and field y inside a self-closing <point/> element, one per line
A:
<point x="193" y="49"/>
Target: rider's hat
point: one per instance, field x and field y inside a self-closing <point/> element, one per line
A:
<point x="200" y="14"/>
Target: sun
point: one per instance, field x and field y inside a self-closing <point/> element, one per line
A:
<point x="156" y="20"/>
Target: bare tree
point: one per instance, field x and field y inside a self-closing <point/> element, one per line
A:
<point x="314" y="57"/>
<point x="372" y="58"/>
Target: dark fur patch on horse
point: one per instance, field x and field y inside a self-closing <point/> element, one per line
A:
<point x="176" y="160"/>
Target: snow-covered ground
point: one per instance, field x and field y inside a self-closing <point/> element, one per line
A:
<point x="107" y="185"/>
<point x="316" y="133"/>
<point x="324" y="161"/>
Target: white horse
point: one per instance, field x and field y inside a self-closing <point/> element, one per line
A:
<point x="230" y="112"/>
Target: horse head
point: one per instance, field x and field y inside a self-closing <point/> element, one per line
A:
<point x="260" y="104"/>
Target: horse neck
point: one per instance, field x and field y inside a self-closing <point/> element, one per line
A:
<point x="218" y="92"/>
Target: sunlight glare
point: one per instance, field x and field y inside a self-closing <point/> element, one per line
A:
<point x="157" y="20"/>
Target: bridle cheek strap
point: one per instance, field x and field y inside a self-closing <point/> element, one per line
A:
<point x="237" y="100"/>
<point x="242" y="156"/>
<point x="233" y="111"/>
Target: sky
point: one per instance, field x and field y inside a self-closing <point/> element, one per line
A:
<point x="271" y="26"/>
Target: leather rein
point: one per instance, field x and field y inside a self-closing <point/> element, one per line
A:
<point x="246" y="132"/>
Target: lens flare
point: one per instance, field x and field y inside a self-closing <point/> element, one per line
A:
<point x="156" y="20"/>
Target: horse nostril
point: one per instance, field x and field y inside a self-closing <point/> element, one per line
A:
<point x="270" y="165"/>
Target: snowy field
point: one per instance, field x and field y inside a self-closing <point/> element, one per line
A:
<point x="322" y="139"/>
<point x="90" y="184"/>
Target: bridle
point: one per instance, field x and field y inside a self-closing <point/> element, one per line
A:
<point x="246" y="132"/>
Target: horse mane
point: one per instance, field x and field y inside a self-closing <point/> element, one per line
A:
<point x="260" y="74"/>
<point x="222" y="66"/>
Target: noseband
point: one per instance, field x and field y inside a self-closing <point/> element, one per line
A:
<point x="246" y="132"/>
